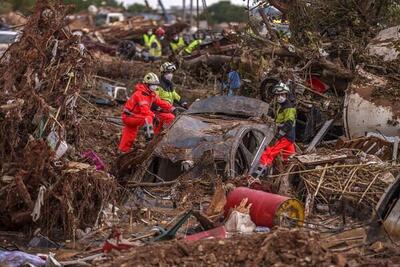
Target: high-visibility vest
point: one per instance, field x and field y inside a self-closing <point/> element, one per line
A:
<point x="169" y="96"/>
<point x="277" y="21"/>
<point x="192" y="46"/>
<point x="148" y="39"/>
<point x="157" y="50"/>
<point x="175" y="46"/>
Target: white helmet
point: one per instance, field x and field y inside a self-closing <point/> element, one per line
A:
<point x="151" y="78"/>
<point x="281" y="88"/>
<point x="167" y="67"/>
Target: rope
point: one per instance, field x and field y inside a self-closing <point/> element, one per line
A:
<point x="38" y="204"/>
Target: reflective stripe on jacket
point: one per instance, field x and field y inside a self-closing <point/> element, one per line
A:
<point x="178" y="45"/>
<point x="167" y="91"/>
<point x="192" y="46"/>
<point x="155" y="48"/>
<point x="147" y="40"/>
<point x="286" y="119"/>
<point x="170" y="96"/>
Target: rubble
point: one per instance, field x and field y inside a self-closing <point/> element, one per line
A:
<point x="345" y="175"/>
<point x="282" y="248"/>
<point x="335" y="203"/>
<point x="44" y="73"/>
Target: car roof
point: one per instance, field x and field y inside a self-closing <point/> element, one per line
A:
<point x="236" y="106"/>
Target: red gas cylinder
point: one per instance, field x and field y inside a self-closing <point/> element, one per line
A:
<point x="267" y="209"/>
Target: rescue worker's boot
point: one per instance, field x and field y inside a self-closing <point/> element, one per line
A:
<point x="148" y="131"/>
<point x="260" y="171"/>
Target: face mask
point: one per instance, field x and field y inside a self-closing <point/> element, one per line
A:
<point x="176" y="38"/>
<point x="281" y="99"/>
<point x="153" y="87"/>
<point x="169" y="76"/>
<point x="149" y="32"/>
<point x="162" y="38"/>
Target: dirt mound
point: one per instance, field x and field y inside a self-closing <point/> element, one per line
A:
<point x="281" y="248"/>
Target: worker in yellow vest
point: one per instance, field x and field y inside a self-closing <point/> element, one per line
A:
<point x="177" y="44"/>
<point x="148" y="38"/>
<point x="193" y="45"/>
<point x="155" y="50"/>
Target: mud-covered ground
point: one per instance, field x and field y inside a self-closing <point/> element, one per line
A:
<point x="281" y="247"/>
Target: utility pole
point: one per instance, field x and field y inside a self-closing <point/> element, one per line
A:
<point x="197" y="15"/>
<point x="184" y="10"/>
<point x="191" y="13"/>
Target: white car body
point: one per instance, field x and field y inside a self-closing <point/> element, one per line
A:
<point x="6" y="39"/>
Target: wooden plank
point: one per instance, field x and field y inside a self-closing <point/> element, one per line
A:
<point x="395" y="150"/>
<point x="313" y="159"/>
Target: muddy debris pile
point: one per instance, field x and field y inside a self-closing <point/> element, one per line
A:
<point x="283" y="247"/>
<point x="45" y="179"/>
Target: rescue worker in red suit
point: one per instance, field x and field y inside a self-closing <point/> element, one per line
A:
<point x="137" y="112"/>
<point x="285" y="138"/>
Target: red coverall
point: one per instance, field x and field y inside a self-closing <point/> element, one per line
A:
<point x="140" y="106"/>
<point x="282" y="146"/>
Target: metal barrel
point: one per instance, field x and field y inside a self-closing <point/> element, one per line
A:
<point x="267" y="209"/>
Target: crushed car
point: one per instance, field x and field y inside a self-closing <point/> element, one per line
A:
<point x="231" y="128"/>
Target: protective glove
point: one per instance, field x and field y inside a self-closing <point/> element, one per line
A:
<point x="184" y="105"/>
<point x="154" y="107"/>
<point x="148" y="131"/>
<point x="178" y="110"/>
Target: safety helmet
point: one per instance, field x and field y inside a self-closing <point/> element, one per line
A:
<point x="281" y="88"/>
<point x="168" y="67"/>
<point x="199" y="35"/>
<point x="160" y="31"/>
<point x="151" y="78"/>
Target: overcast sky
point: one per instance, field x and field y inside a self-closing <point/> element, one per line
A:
<point x="169" y="3"/>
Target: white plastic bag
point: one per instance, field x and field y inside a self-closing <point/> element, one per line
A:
<point x="239" y="222"/>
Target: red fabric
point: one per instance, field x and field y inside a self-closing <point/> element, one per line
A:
<point x="140" y="105"/>
<point x="163" y="119"/>
<point x="317" y="85"/>
<point x="129" y="133"/>
<point x="282" y="146"/>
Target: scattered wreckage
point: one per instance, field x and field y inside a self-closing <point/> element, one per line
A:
<point x="200" y="164"/>
<point x="232" y="128"/>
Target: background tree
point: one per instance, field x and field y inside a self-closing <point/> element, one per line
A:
<point x="23" y="6"/>
<point x="224" y="11"/>
<point x="137" y="8"/>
